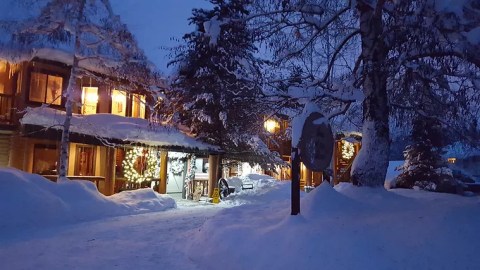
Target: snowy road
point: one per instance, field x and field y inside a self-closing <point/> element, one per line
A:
<point x="146" y="241"/>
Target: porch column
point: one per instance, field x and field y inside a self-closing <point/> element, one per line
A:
<point x="336" y="156"/>
<point x="212" y="173"/>
<point x="162" y="187"/>
<point x="308" y="177"/>
<point x="110" y="171"/>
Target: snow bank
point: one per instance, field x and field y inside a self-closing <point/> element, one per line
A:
<point x="392" y="173"/>
<point x="265" y="189"/>
<point x="344" y="228"/>
<point x="31" y="201"/>
<point x="144" y="200"/>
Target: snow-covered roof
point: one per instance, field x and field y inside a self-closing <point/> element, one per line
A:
<point x="109" y="126"/>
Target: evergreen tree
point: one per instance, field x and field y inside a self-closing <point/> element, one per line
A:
<point x="424" y="166"/>
<point x="215" y="92"/>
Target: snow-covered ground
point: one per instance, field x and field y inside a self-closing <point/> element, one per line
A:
<point x="342" y="228"/>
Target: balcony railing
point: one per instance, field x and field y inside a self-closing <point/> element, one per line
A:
<point x="6" y="106"/>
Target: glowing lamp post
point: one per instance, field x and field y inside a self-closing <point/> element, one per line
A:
<point x="271" y="125"/>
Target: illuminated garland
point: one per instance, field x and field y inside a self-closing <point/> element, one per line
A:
<point x="191" y="172"/>
<point x="132" y="156"/>
<point x="347" y="150"/>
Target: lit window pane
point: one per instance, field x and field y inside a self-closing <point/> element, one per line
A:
<point x="138" y="106"/>
<point x="89" y="100"/>
<point x="119" y="102"/>
<point x="45" y="159"/>
<point x="38" y="82"/>
<point x="85" y="161"/>
<point x="3" y="78"/>
<point x="54" y="90"/>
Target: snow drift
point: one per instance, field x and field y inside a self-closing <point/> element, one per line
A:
<point x="31" y="201"/>
<point x="345" y="228"/>
<point x="265" y="189"/>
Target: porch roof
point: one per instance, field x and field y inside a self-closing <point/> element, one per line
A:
<point x="110" y="128"/>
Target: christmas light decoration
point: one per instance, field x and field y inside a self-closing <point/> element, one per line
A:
<point x="135" y="169"/>
<point x="191" y="171"/>
<point x="348" y="150"/>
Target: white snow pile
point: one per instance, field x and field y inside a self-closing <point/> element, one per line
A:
<point x="212" y="29"/>
<point x="31" y="201"/>
<point x="345" y="228"/>
<point x="392" y="173"/>
<point x="110" y="126"/>
<point x="265" y="189"/>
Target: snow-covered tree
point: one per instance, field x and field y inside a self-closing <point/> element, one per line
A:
<point x="369" y="47"/>
<point x="424" y="165"/>
<point x="215" y="91"/>
<point x="95" y="41"/>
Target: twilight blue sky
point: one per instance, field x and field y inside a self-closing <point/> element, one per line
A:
<point x="155" y="22"/>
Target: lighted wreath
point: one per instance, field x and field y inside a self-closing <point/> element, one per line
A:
<point x="348" y="150"/>
<point x="176" y="165"/>
<point x="147" y="171"/>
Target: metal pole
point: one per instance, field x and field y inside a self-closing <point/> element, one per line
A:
<point x="295" y="181"/>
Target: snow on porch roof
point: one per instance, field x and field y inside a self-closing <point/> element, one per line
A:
<point x="109" y="126"/>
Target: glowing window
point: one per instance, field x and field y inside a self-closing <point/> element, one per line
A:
<point x="85" y="161"/>
<point x="119" y="102"/>
<point x="45" y="159"/>
<point x="89" y="100"/>
<point x="46" y="88"/>
<point x="3" y="77"/>
<point x="138" y="106"/>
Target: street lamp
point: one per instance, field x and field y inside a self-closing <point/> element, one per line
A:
<point x="271" y="125"/>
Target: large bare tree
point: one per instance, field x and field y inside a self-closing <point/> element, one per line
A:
<point x="370" y="47"/>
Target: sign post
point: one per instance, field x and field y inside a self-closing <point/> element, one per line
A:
<point x="316" y="143"/>
<point x="295" y="182"/>
<point x="314" y="149"/>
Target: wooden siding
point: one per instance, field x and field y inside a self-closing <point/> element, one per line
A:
<point x="4" y="149"/>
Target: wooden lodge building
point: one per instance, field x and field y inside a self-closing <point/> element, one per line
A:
<point x="115" y="139"/>
<point x="109" y="125"/>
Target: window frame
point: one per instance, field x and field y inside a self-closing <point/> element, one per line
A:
<point x="126" y="107"/>
<point x="48" y="73"/>
<point x="82" y="108"/>
<point x="38" y="146"/>
<point x="76" y="169"/>
<point x="142" y="105"/>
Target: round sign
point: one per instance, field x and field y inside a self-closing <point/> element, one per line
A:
<point x="316" y="143"/>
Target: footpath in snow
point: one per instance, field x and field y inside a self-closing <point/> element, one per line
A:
<point x="344" y="227"/>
